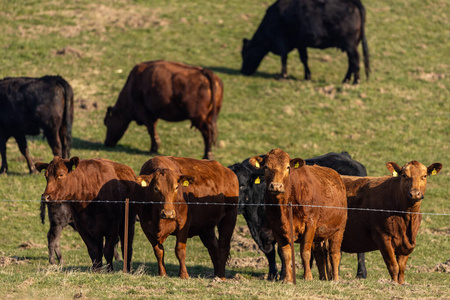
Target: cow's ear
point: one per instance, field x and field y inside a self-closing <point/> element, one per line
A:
<point x="142" y="181"/>
<point x="41" y="166"/>
<point x="256" y="161"/>
<point x="73" y="163"/>
<point x="245" y="42"/>
<point x="186" y="180"/>
<point x="296" y="163"/>
<point x="394" y="168"/>
<point x="434" y="169"/>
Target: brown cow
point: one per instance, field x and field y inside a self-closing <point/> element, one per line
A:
<point x="308" y="189"/>
<point x="94" y="189"/>
<point x="170" y="189"/>
<point x="394" y="230"/>
<point x="169" y="91"/>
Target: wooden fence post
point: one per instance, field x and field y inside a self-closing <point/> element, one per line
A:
<point x="125" y="237"/>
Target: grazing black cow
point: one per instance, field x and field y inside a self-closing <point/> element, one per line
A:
<point x="251" y="192"/>
<point x="59" y="216"/>
<point x="29" y="105"/>
<point x="299" y="24"/>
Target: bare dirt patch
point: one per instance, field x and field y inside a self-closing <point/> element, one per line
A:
<point x="29" y="245"/>
<point x="240" y="241"/>
<point x="442" y="267"/>
<point x="6" y="261"/>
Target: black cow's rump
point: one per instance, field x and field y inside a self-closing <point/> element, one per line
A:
<point x="31" y="105"/>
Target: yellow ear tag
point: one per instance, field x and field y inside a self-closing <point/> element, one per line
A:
<point x="296" y="165"/>
<point x="395" y="174"/>
<point x="434" y="172"/>
<point x="257" y="180"/>
<point x="257" y="164"/>
<point x="143" y="183"/>
<point x="185" y="183"/>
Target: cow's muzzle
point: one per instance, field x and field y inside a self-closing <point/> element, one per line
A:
<point x="276" y="188"/>
<point x="168" y="214"/>
<point x="415" y="195"/>
<point x="45" y="198"/>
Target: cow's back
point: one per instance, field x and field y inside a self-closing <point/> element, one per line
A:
<point x="213" y="184"/>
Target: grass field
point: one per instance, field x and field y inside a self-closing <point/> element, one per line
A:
<point x="401" y="114"/>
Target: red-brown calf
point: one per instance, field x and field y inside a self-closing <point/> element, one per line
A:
<point x="96" y="190"/>
<point x="394" y="230"/>
<point x="169" y="188"/>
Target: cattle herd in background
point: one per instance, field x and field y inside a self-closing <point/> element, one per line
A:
<point x="331" y="195"/>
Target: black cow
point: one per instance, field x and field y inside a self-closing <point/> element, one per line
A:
<point x="299" y="24"/>
<point x="251" y="200"/>
<point x="29" y="105"/>
<point x="59" y="216"/>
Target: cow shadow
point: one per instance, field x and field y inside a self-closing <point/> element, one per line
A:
<point x="237" y="72"/>
<point x="80" y="144"/>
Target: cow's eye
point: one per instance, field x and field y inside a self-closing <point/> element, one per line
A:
<point x="155" y="189"/>
<point x="61" y="175"/>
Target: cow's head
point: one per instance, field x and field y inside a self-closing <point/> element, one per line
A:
<point x="277" y="167"/>
<point x="163" y="189"/>
<point x="57" y="175"/>
<point x="252" y="56"/>
<point x="116" y="125"/>
<point x="413" y="178"/>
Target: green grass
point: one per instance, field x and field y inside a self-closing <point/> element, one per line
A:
<point x="402" y="113"/>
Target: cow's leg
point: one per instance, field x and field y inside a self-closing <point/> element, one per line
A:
<point x="320" y="255"/>
<point x="390" y="260"/>
<point x="207" y="134"/>
<point x="335" y="252"/>
<point x="4" y="167"/>
<point x="303" y="53"/>
<point x="209" y="240"/>
<point x="65" y="143"/>
<point x="305" y="251"/>
<point x="283" y="265"/>
<point x="225" y="229"/>
<point x="54" y="141"/>
<point x="353" y="65"/>
<point x="22" y="142"/>
<point x="273" y="271"/>
<point x="284" y="57"/>
<point x="402" y="260"/>
<point x="362" y="271"/>
<point x="158" y="249"/>
<point x="155" y="140"/>
<point x="53" y="237"/>
<point x="95" y="247"/>
<point x="180" y="252"/>
<point x="286" y="273"/>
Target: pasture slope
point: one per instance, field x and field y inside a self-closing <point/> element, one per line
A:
<point x="402" y="113"/>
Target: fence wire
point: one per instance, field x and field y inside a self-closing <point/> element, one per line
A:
<point x="233" y="204"/>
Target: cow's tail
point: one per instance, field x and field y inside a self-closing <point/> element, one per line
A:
<point x="43" y="212"/>
<point x="365" y="47"/>
<point x="66" y="137"/>
<point x="214" y="111"/>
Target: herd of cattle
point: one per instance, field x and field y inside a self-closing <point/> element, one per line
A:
<point x="336" y="206"/>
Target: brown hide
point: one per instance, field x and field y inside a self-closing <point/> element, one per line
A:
<point x="209" y="182"/>
<point x="170" y="91"/>
<point x="394" y="230"/>
<point x="86" y="185"/>
<point x="292" y="181"/>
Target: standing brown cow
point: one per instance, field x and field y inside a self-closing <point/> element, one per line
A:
<point x="169" y="91"/>
<point x="392" y="231"/>
<point x="95" y="189"/>
<point x="309" y="189"/>
<point x="187" y="197"/>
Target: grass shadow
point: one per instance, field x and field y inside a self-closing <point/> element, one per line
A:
<point x="229" y="71"/>
<point x="80" y="144"/>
